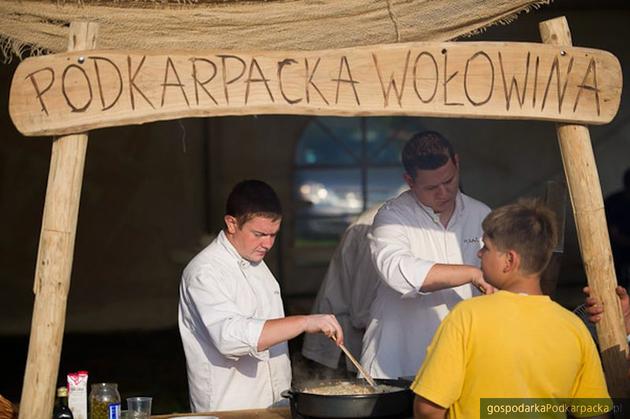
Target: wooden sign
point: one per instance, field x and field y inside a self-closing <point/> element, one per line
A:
<point x="76" y="92"/>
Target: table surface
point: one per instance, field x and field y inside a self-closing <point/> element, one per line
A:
<point x="272" y="413"/>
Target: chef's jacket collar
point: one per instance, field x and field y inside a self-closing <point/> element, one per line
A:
<point x="242" y="262"/>
<point x="457" y="212"/>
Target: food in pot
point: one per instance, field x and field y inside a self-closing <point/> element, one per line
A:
<point x="348" y="389"/>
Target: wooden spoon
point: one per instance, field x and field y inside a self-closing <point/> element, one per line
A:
<point x="356" y="363"/>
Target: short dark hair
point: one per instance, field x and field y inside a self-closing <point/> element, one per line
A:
<point x="529" y="228"/>
<point x="426" y="150"/>
<point x="252" y="198"/>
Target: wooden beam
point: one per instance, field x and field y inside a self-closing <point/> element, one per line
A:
<point x="54" y="258"/>
<point x="73" y="92"/>
<point x="588" y="208"/>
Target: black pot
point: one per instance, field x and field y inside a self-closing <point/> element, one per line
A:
<point x="392" y="403"/>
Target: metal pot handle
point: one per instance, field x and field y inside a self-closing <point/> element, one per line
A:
<point x="287" y="394"/>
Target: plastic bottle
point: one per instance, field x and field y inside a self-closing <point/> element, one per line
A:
<point x="104" y="401"/>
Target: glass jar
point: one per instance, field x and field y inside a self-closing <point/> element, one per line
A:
<point x="104" y="401"/>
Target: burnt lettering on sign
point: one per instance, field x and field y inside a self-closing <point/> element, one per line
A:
<point x="224" y="72"/>
<point x="467" y="80"/>
<point x="535" y="89"/>
<point x="99" y="81"/>
<point x="447" y="80"/>
<point x="560" y="91"/>
<point x="281" y="65"/>
<point x="343" y="63"/>
<point x="166" y="83"/>
<point x="590" y="71"/>
<point x="198" y="83"/>
<point x="392" y="81"/>
<point x="132" y="83"/>
<point x="64" y="89"/>
<point x="491" y="84"/>
<point x="520" y="96"/>
<point x="40" y="92"/>
<point x="309" y="81"/>
<point x="434" y="78"/>
<point x="261" y="79"/>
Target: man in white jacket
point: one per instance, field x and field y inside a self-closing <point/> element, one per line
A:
<point x="347" y="291"/>
<point x="424" y="245"/>
<point x="231" y="319"/>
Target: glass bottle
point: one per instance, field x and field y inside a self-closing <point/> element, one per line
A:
<point x="104" y="401"/>
<point x="61" y="410"/>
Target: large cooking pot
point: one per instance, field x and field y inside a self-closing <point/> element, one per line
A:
<point x="398" y="401"/>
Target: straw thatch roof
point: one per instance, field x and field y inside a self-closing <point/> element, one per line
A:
<point x="40" y="26"/>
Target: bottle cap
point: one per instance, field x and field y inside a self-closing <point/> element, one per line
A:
<point x="62" y="392"/>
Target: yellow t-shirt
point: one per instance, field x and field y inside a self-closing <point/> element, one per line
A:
<point x="509" y="345"/>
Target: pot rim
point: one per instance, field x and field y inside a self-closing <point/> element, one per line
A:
<point x="297" y="389"/>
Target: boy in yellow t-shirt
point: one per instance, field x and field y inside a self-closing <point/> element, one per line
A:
<point x="515" y="343"/>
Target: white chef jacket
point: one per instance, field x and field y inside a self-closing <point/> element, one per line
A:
<point x="347" y="291"/>
<point x="407" y="239"/>
<point x="223" y="305"/>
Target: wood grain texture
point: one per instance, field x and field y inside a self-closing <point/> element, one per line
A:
<point x="54" y="259"/>
<point x="74" y="92"/>
<point x="357" y="364"/>
<point x="588" y="209"/>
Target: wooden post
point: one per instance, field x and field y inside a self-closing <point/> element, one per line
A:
<point x="54" y="258"/>
<point x="588" y="208"/>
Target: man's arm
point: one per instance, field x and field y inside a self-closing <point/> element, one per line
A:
<point x="426" y="409"/>
<point x="443" y="276"/>
<point x="390" y="248"/>
<point x="233" y="332"/>
<point x="280" y="330"/>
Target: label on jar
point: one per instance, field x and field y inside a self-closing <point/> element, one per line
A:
<point x="113" y="411"/>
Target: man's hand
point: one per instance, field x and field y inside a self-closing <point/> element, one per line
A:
<point x="595" y="309"/>
<point x="325" y="323"/>
<point x="480" y="283"/>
